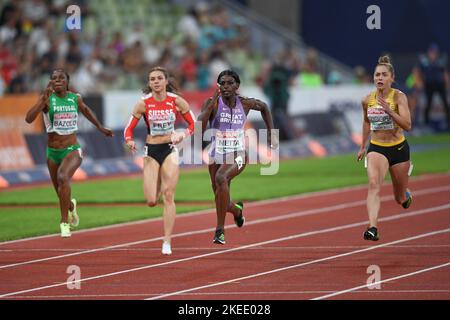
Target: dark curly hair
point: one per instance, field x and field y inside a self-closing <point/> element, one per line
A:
<point x="231" y="73"/>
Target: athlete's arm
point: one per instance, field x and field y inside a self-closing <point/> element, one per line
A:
<point x="186" y="113"/>
<point x="138" y="111"/>
<point x="41" y="105"/>
<point x="89" y="114"/>
<point x="365" y="130"/>
<point x="258" y="105"/>
<point x="403" y="117"/>
<point x="208" y="109"/>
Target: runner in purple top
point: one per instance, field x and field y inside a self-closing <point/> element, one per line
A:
<point x="227" y="113"/>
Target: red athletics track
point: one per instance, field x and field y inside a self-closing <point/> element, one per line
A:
<point x="304" y="247"/>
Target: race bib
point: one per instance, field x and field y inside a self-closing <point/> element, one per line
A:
<point x="379" y="119"/>
<point x="162" y="123"/>
<point x="65" y="122"/>
<point x="229" y="141"/>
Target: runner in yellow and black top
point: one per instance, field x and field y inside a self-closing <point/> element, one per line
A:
<point x="60" y="110"/>
<point x="386" y="116"/>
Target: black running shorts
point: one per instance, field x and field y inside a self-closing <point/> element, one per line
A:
<point x="395" y="154"/>
<point x="159" y="152"/>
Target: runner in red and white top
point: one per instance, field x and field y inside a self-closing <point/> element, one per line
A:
<point x="159" y="108"/>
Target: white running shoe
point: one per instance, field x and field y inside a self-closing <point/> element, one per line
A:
<point x="74" y="219"/>
<point x="166" y="249"/>
<point x="65" y="230"/>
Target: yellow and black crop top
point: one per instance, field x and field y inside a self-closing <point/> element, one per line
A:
<point x="378" y="118"/>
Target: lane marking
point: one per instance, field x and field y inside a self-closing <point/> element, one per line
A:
<point x="230" y="226"/>
<point x="249" y="204"/>
<point x="299" y="265"/>
<point x="127" y="295"/>
<point x="327" y="230"/>
<point x="291" y="248"/>
<point x="383" y="281"/>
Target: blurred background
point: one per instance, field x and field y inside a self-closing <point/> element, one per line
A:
<point x="311" y="60"/>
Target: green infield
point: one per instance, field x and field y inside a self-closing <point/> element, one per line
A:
<point x="294" y="177"/>
<point x="28" y="222"/>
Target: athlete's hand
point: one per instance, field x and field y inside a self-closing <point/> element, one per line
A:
<point x="49" y="89"/>
<point x="273" y="140"/>
<point x="177" y="137"/>
<point x="361" y="154"/>
<point x="106" y="132"/>
<point x="215" y="98"/>
<point x="383" y="103"/>
<point x="47" y="93"/>
<point x="131" y="145"/>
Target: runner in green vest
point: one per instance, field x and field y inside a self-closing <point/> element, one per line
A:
<point x="60" y="110"/>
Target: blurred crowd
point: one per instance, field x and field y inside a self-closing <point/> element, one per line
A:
<point x="207" y="40"/>
<point x="203" y="40"/>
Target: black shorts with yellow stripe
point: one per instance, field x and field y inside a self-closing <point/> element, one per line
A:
<point x="395" y="154"/>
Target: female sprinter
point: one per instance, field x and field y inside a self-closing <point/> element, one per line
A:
<point x="386" y="116"/>
<point x="227" y="115"/>
<point x="159" y="108"/>
<point x="60" y="109"/>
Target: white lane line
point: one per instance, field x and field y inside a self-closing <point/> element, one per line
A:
<point x="291" y="248"/>
<point x="229" y="226"/>
<point x="204" y="211"/>
<point x="297" y="265"/>
<point x="343" y="227"/>
<point x="249" y="204"/>
<point x="383" y="281"/>
<point x="128" y="295"/>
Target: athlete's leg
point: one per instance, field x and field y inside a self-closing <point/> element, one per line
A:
<point x="377" y="167"/>
<point x="232" y="205"/>
<point x="224" y="175"/>
<point x="65" y="172"/>
<point x="212" y="168"/>
<point x="151" y="181"/>
<point x="399" y="176"/>
<point x="169" y="179"/>
<point x="53" y="171"/>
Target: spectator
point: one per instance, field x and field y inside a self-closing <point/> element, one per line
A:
<point x="309" y="76"/>
<point x="8" y="64"/>
<point x="361" y="76"/>
<point x="188" y="68"/>
<point x="217" y="64"/>
<point x="35" y="10"/>
<point x="188" y="25"/>
<point x="9" y="31"/>
<point x="276" y="88"/>
<point x="153" y="51"/>
<point x="414" y="87"/>
<point x="19" y="81"/>
<point x="203" y="77"/>
<point x="136" y="35"/>
<point x="117" y="45"/>
<point x="435" y="78"/>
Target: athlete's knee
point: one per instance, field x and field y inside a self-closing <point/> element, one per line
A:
<point x="169" y="195"/>
<point x="221" y="180"/>
<point x="63" y="179"/>
<point x="152" y="201"/>
<point x="374" y="184"/>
